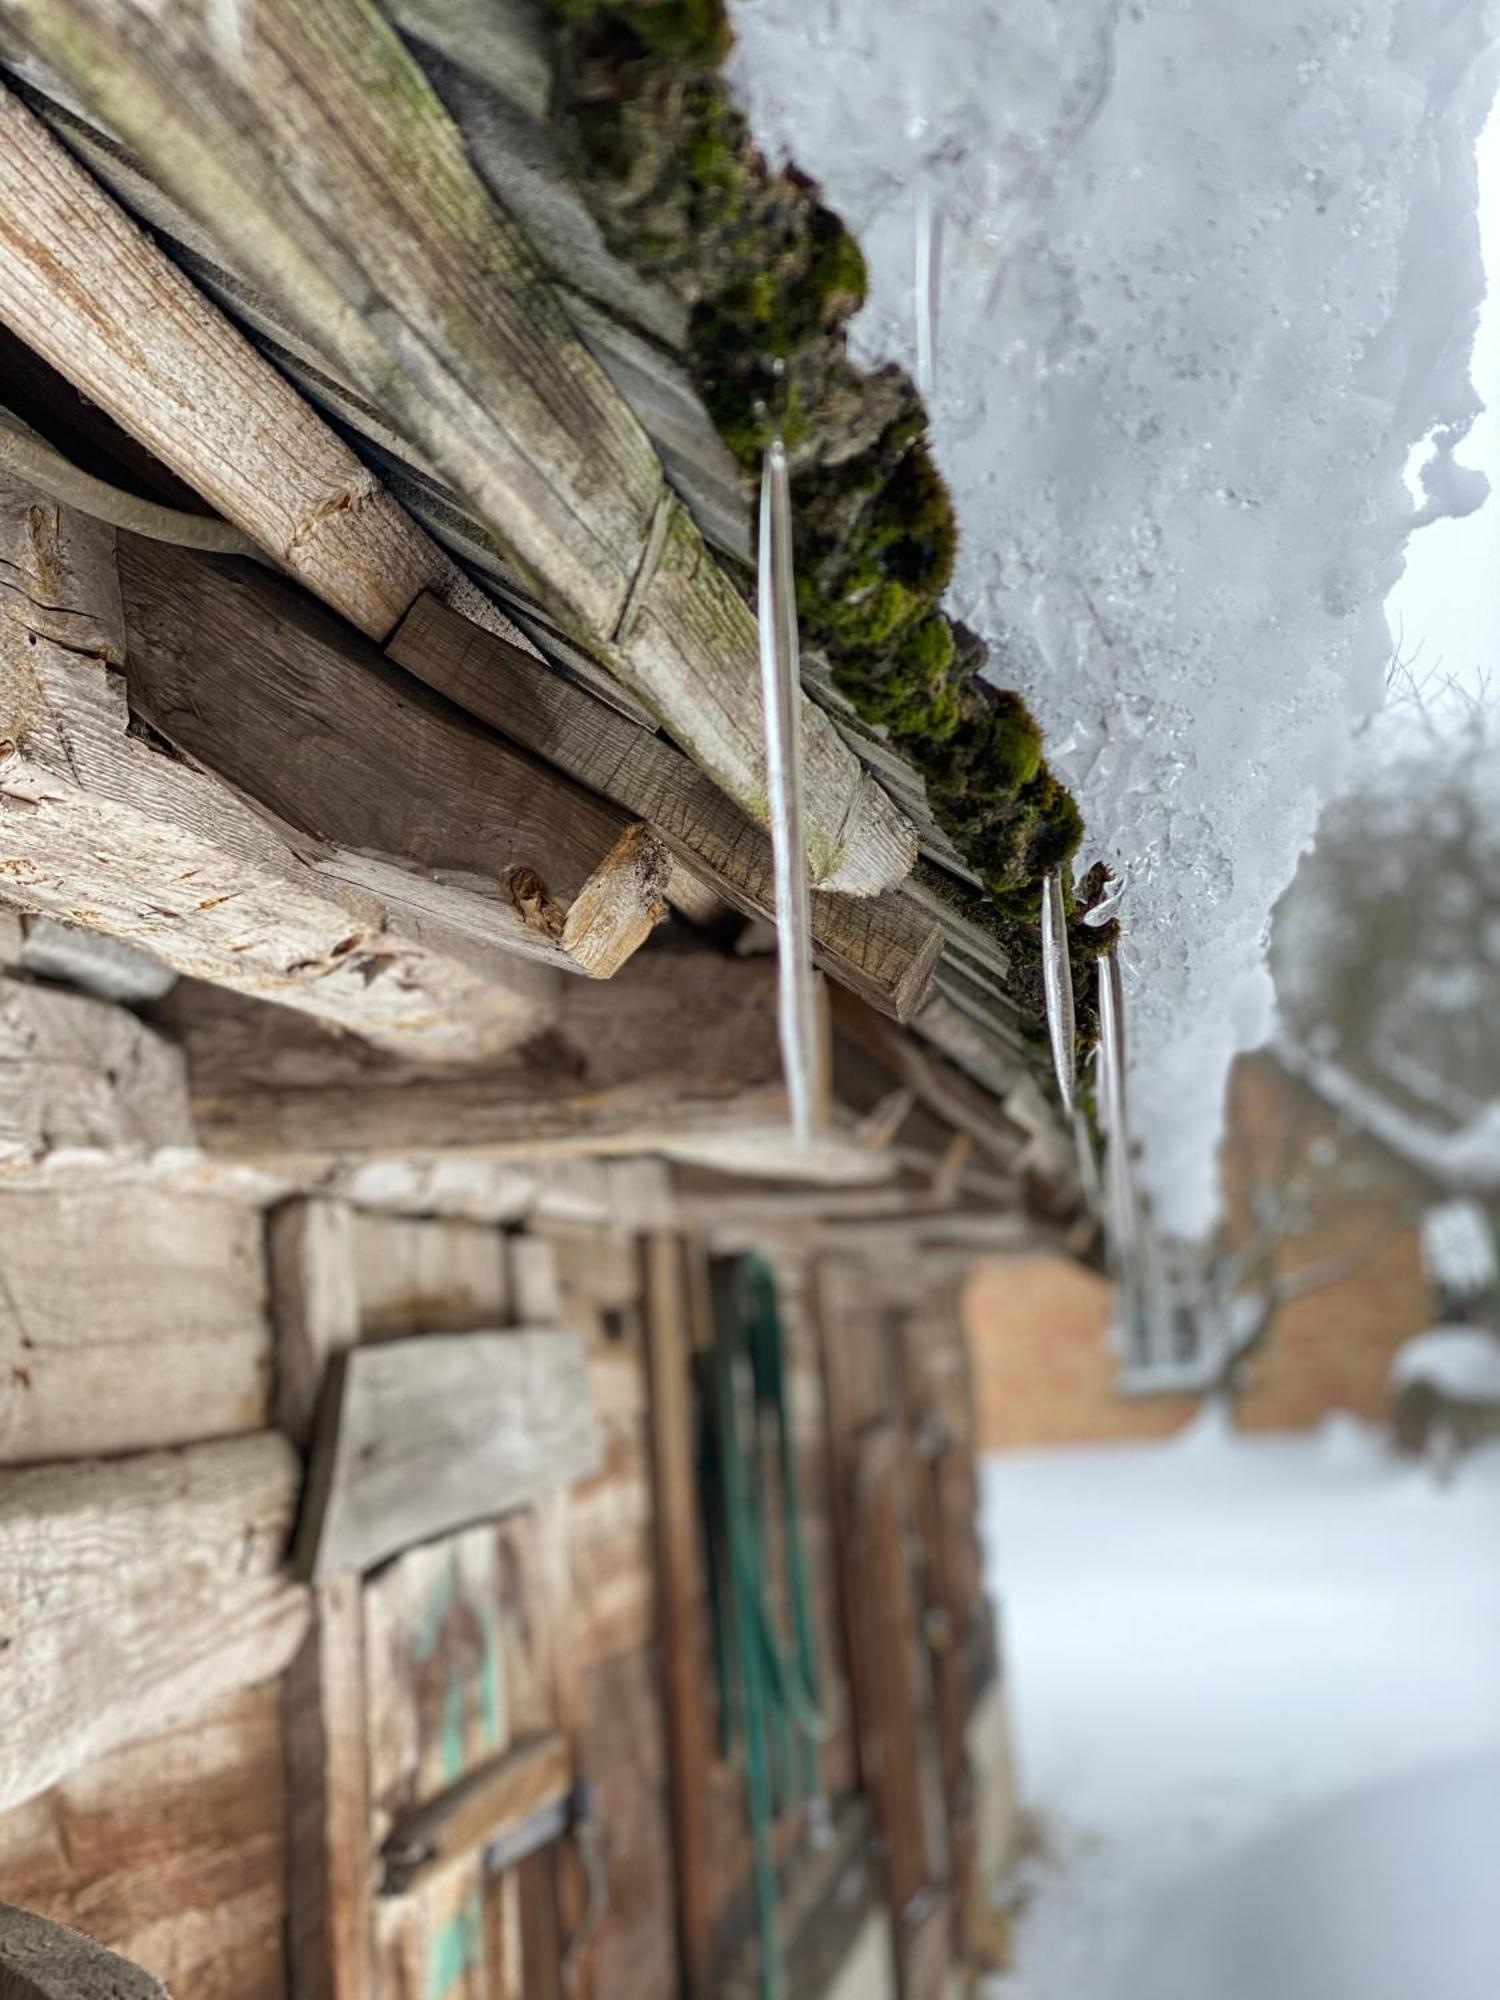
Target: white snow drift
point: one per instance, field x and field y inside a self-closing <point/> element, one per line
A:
<point x="1204" y="275"/>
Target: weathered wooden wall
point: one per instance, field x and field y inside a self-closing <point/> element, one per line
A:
<point x="365" y="1788"/>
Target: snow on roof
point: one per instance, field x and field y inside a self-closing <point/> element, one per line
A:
<point x="1465" y="1156"/>
<point x="1196" y="282"/>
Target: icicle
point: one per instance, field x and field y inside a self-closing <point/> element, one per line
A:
<point x="1057" y="985"/>
<point x="928" y="277"/>
<point x="1121" y="1208"/>
<point x="781" y="682"/>
<point x="1088" y="1162"/>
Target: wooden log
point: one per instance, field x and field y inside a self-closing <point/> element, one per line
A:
<point x="679" y="1597"/>
<point x="329" y="1902"/>
<point x="882" y="947"/>
<point x="40" y="1960"/>
<point x="492" y="1806"/>
<point x="171" y="1851"/>
<point x="258" y="684"/>
<point x="78" y="1075"/>
<point x="421" y="1436"/>
<point x="671" y="1047"/>
<point x="182" y="1350"/>
<point x="329" y="174"/>
<point x="136" y="1592"/>
<point x="99" y="827"/>
<point x="174" y="372"/>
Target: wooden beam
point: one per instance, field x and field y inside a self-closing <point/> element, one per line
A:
<point x="676" y="1045"/>
<point x="255" y="682"/>
<point x="328" y="173"/>
<point x="173" y="372"/>
<point x="492" y="1807"/>
<point x="101" y="828"/>
<point x="136" y="1591"/>
<point x="882" y="947"/>
<point x="329" y="1879"/>
<point x="679" y="1597"/>
<point x="419" y="1437"/>
<point x="78" y="1075"/>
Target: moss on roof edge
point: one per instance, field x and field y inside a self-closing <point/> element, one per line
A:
<point x="770" y="277"/>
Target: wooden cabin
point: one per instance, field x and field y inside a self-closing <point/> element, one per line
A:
<point x="483" y="1516"/>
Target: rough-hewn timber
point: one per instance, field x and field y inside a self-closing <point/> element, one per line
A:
<point x="101" y="828"/>
<point x="135" y="1592"/>
<point x="332" y="176"/>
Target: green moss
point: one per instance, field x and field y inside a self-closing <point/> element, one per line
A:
<point x="771" y="278"/>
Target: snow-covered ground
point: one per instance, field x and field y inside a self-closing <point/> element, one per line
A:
<point x="1212" y="1646"/>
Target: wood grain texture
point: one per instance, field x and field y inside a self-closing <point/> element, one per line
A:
<point x="129" y="1319"/>
<point x="265" y="688"/>
<point x="427" y="1275"/>
<point x="667" y="1049"/>
<point x="330" y="1913"/>
<point x="680" y="1594"/>
<point x="425" y="1435"/>
<point x="173" y="371"/>
<point x="137" y="1591"/>
<point x="491" y="1804"/>
<point x="462" y="1655"/>
<point x="80" y="1076"/>
<point x="329" y="175"/>
<point x="99" y="828"/>
<point x="171" y="1850"/>
<point x="314" y="1302"/>
<point x="883" y="947"/>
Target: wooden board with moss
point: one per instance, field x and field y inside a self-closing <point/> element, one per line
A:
<point x="769" y="278"/>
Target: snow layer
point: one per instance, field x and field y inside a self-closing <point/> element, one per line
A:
<point x="1462" y="1361"/>
<point x="1204" y="275"/>
<point x="1386" y="1894"/>
<point x="1207" y="1642"/>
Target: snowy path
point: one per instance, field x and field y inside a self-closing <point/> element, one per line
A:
<point x="1206" y="1640"/>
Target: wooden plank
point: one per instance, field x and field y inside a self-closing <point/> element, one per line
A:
<point x="534" y="1279"/>
<point x="330" y="1912"/>
<point x="175" y="373"/>
<point x="489" y="1806"/>
<point x="461" y="1652"/>
<point x="315" y="1302"/>
<point x="679" y="1596"/>
<point x="330" y="175"/>
<point x="422" y="1436"/>
<point x="666" y="1050"/>
<point x="129" y="1319"/>
<point x="78" y="1075"/>
<point x="427" y="1276"/>
<point x="893" y="1711"/>
<point x="882" y="947"/>
<point x="100" y="828"/>
<point x="432" y="1945"/>
<point x="40" y="1960"/>
<point x="136" y="1591"/>
<point x="171" y="1850"/>
<point x="260" y="685"/>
